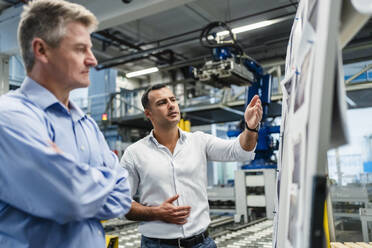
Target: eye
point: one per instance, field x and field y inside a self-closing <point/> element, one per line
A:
<point x="81" y="49"/>
<point x="162" y="102"/>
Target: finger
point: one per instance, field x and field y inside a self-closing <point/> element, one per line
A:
<point x="182" y="214"/>
<point x="260" y="110"/>
<point x="185" y="212"/>
<point x="255" y="110"/>
<point x="172" y="199"/>
<point x="182" y="220"/>
<point x="259" y="105"/>
<point x="258" y="102"/>
<point x="55" y="147"/>
<point x="253" y="101"/>
<point x="183" y="208"/>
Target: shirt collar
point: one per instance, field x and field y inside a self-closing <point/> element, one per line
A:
<point x="183" y="135"/>
<point x="37" y="93"/>
<point x="44" y="98"/>
<point x="181" y="132"/>
<point x="76" y="112"/>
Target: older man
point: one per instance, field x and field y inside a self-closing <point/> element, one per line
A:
<point x="58" y="178"/>
<point x="168" y="170"/>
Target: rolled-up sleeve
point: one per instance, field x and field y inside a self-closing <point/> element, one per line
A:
<point x="223" y="150"/>
<point x="133" y="177"/>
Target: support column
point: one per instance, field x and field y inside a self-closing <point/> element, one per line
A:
<point x="4" y="74"/>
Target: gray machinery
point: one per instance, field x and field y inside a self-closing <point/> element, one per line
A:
<point x="221" y="200"/>
<point x="254" y="194"/>
<point x="365" y="217"/>
<point x="347" y="200"/>
<point x="254" y="188"/>
<point x="350" y="204"/>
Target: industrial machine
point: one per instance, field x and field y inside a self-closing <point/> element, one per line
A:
<point x="224" y="70"/>
<point x="352" y="209"/>
<point x="347" y="200"/>
<point x="254" y="194"/>
<point x="230" y="66"/>
<point x="221" y="200"/>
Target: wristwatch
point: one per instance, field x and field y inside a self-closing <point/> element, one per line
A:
<point x="251" y="129"/>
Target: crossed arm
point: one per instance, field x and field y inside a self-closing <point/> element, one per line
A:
<point x="53" y="184"/>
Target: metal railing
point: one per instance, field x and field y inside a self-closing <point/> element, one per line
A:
<point x="127" y="103"/>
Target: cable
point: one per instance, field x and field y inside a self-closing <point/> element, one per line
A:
<point x="209" y="43"/>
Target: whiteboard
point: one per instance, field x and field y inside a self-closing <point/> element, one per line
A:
<point x="313" y="103"/>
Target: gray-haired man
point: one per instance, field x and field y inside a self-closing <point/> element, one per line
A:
<point x="58" y="178"/>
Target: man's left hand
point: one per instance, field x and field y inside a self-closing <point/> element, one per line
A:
<point x="253" y="112"/>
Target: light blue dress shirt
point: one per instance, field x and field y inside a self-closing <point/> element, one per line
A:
<point x="48" y="198"/>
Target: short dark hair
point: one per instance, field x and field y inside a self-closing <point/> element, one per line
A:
<point x="145" y="96"/>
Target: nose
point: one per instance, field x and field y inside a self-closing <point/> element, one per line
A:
<point x="171" y="104"/>
<point x="90" y="60"/>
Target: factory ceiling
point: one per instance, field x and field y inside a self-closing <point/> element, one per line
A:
<point x="138" y="34"/>
<point x="170" y="38"/>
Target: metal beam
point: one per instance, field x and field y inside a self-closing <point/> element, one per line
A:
<point x="358" y="86"/>
<point x="109" y="13"/>
<point x="235" y="111"/>
<point x="359" y="73"/>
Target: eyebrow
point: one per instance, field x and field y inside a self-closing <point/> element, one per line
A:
<point x="165" y="98"/>
<point x="162" y="99"/>
<point x="79" y="44"/>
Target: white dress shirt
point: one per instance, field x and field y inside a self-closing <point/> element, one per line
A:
<point x="157" y="174"/>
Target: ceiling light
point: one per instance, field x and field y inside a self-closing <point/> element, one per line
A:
<point x="141" y="72"/>
<point x="254" y="26"/>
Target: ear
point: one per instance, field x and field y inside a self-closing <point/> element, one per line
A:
<point x="39" y="47"/>
<point x="147" y="114"/>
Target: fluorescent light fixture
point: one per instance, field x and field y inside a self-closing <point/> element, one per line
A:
<point x="350" y="102"/>
<point x="254" y="26"/>
<point x="141" y="72"/>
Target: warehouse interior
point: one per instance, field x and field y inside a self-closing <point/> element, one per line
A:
<point x="140" y="43"/>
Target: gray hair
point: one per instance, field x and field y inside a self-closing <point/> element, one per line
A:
<point x="47" y="20"/>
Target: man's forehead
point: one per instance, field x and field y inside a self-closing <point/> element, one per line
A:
<point x="77" y="34"/>
<point x="160" y="93"/>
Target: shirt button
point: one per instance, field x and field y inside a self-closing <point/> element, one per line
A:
<point x="99" y="232"/>
<point x="82" y="148"/>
